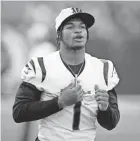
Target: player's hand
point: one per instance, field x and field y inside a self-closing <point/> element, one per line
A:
<point x="70" y="95"/>
<point x="102" y="98"/>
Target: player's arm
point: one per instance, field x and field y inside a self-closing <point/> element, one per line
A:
<point x="110" y="117"/>
<point x="27" y="106"/>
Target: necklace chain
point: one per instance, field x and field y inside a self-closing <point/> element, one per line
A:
<point x="76" y="75"/>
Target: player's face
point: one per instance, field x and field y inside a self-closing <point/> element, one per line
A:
<point x="74" y="34"/>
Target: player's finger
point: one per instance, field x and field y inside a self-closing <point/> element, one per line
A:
<point x="101" y="91"/>
<point x="80" y="90"/>
<point x="101" y="94"/>
<point x="78" y="87"/>
<point x="78" y="81"/>
<point x="80" y="97"/>
<point x="102" y="102"/>
<point x="100" y="98"/>
<point x="96" y="87"/>
<point x="71" y="85"/>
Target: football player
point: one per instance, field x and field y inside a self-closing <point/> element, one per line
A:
<point x="69" y="89"/>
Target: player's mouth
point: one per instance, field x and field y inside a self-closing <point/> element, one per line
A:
<point x="78" y="38"/>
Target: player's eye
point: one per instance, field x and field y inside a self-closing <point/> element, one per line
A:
<point x="83" y="26"/>
<point x="69" y="26"/>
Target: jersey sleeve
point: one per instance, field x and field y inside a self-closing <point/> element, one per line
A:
<point x="113" y="78"/>
<point x="31" y="73"/>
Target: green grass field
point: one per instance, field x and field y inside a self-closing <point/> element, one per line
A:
<point x="128" y="128"/>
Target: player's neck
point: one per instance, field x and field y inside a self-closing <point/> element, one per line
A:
<point x="72" y="57"/>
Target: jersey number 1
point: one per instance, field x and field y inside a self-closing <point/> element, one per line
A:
<point x="76" y="116"/>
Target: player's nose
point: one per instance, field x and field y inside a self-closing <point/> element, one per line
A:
<point x="78" y="30"/>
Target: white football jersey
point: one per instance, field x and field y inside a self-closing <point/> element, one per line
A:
<point x="50" y="75"/>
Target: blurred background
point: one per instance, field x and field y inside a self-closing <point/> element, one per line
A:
<point x="27" y="29"/>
